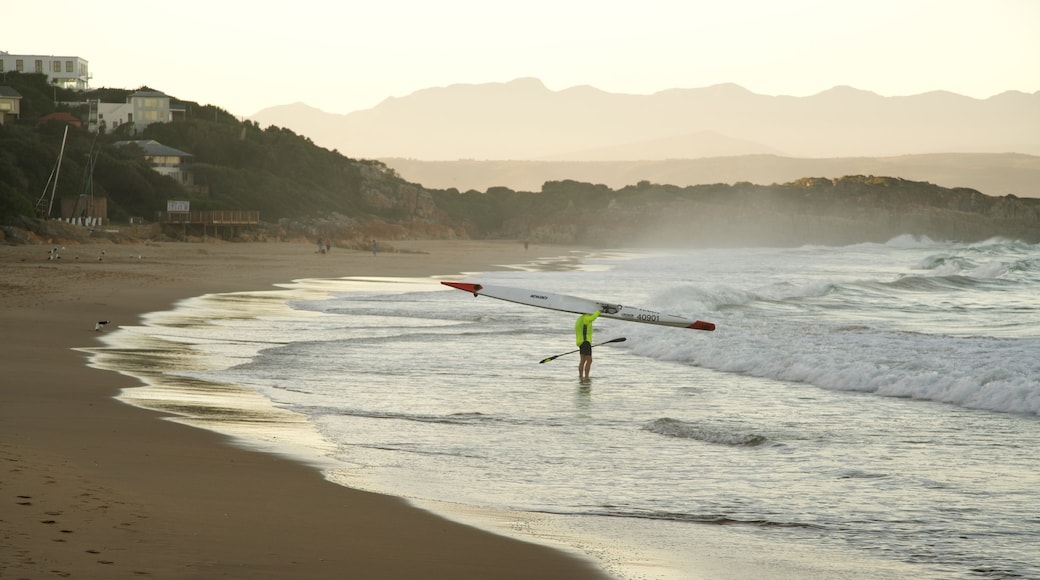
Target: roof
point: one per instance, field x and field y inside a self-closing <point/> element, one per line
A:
<point x="59" y="116"/>
<point x="63" y="116"/>
<point x="9" y="93"/>
<point x="153" y="147"/>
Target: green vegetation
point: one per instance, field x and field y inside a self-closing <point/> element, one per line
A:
<point x="236" y="164"/>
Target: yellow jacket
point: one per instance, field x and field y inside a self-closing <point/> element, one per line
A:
<point x="583" y="328"/>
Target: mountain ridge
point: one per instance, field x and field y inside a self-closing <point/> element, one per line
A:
<point x="523" y="120"/>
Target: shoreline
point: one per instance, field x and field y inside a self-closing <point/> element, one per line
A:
<point x="98" y="487"/>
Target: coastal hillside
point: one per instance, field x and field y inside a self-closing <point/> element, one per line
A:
<point x="303" y="190"/>
<point x="295" y="185"/>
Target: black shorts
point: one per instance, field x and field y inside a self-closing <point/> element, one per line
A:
<point x="585" y="348"/>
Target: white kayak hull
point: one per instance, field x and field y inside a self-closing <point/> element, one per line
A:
<point x="576" y="305"/>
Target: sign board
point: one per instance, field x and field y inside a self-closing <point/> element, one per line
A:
<point x="173" y="206"/>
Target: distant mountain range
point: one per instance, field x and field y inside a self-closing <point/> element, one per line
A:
<point x="522" y="120"/>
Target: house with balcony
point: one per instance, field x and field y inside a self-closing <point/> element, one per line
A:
<point x="142" y="108"/>
<point x="69" y="72"/>
<point x="10" y="105"/>
<point x="165" y="160"/>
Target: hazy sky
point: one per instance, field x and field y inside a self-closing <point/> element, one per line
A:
<point x="346" y="55"/>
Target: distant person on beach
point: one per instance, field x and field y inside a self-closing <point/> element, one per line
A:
<point x="328" y="245"/>
<point x="583" y="338"/>
<point x="375" y="248"/>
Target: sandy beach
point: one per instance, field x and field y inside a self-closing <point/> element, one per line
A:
<point x="91" y="487"/>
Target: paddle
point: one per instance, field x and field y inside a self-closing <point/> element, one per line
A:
<point x="622" y="339"/>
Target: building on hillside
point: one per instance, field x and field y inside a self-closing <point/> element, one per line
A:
<point x="69" y="72"/>
<point x="142" y="108"/>
<point x="168" y="161"/>
<point x="10" y="105"/>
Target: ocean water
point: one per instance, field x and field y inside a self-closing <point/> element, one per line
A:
<point x="869" y="411"/>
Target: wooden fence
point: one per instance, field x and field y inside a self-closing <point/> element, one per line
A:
<point x="215" y="217"/>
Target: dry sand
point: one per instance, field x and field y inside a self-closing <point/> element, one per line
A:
<point x="93" y="488"/>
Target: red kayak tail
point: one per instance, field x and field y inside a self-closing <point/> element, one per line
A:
<point x="473" y="289"/>
<point x="701" y="325"/>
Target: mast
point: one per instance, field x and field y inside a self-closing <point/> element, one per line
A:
<point x="86" y="197"/>
<point x="52" y="181"/>
<point x="57" y="171"/>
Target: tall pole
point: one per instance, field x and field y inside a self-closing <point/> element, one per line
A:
<point x="57" y="171"/>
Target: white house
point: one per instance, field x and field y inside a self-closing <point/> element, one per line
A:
<point x="68" y="72"/>
<point x="142" y="108"/>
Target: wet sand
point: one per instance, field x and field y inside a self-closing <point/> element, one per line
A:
<point x="94" y="488"/>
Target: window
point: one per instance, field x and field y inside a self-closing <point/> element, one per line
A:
<point x="1" y="65"/>
<point x="56" y="66"/>
<point x="69" y="67"/>
<point x="39" y="66"/>
<point x="19" y="65"/>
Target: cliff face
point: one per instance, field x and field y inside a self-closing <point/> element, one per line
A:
<point x="381" y="191"/>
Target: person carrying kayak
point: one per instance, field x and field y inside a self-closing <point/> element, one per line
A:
<point x="583" y="338"/>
